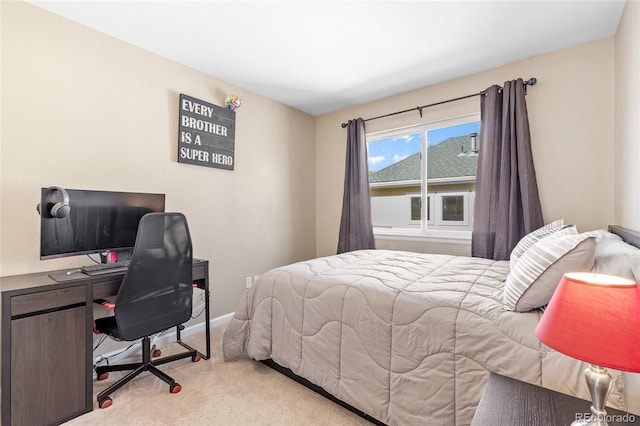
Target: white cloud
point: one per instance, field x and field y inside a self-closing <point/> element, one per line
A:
<point x="377" y="159"/>
<point x="399" y="157"/>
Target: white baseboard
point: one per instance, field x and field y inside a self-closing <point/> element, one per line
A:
<point x="133" y="353"/>
<point x="169" y="337"/>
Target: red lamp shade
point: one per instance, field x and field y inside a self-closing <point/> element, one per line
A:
<point x="594" y="318"/>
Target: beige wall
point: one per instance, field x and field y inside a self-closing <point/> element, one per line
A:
<point x="86" y="111"/>
<point x="83" y="110"/>
<point x="571" y="114"/>
<point x="627" y="124"/>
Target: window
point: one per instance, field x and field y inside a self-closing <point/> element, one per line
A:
<point x="453" y="209"/>
<point x="423" y="178"/>
<point x="416" y="208"/>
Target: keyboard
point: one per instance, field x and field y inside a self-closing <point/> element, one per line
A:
<point x="105" y="268"/>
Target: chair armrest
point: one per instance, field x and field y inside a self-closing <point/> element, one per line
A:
<point x="105" y="303"/>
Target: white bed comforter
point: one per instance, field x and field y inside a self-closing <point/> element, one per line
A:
<point x="407" y="338"/>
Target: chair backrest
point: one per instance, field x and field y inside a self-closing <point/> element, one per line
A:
<point x="156" y="292"/>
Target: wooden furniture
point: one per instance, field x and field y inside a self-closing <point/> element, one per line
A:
<point x="47" y="344"/>
<point x="510" y="402"/>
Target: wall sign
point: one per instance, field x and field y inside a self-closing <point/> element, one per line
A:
<point x="206" y="134"/>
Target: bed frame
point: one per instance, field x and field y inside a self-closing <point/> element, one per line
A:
<point x="317" y="389"/>
<point x="628" y="235"/>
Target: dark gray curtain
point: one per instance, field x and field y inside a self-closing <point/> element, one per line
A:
<point x="356" y="230"/>
<point x="507" y="205"/>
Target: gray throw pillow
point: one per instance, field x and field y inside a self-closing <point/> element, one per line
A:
<point x="533" y="237"/>
<point x="533" y="280"/>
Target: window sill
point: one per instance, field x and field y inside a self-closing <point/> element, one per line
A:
<point x="449" y="237"/>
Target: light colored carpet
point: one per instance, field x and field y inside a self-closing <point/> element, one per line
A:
<point x="215" y="393"/>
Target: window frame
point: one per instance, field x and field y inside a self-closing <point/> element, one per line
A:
<point x="428" y="228"/>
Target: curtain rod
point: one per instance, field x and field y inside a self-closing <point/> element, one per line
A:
<point x="530" y="82"/>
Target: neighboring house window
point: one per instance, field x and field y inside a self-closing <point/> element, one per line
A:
<point x="416" y="208"/>
<point x="454" y="209"/>
<point x="423" y="178"/>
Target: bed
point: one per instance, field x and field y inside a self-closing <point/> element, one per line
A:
<point x="409" y="338"/>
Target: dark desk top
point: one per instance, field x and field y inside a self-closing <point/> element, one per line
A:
<point x="28" y="282"/>
<point x="510" y="402"/>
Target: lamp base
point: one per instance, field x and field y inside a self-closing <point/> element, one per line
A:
<point x="599" y="383"/>
<point x="593" y="421"/>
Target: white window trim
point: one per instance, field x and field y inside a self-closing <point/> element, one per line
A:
<point x="394" y="184"/>
<point x="447" y="122"/>
<point x="425" y="234"/>
<point x="453" y="237"/>
<point x="453" y="180"/>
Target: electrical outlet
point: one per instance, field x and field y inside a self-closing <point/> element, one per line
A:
<point x="248" y="282"/>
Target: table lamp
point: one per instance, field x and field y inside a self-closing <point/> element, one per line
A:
<point x="595" y="318"/>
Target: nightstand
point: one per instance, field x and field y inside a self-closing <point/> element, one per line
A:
<point x="510" y="402"/>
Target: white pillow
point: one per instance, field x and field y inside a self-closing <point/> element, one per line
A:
<point x="615" y="257"/>
<point x="532" y="281"/>
<point x="534" y="236"/>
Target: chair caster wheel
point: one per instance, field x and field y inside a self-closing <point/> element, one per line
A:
<point x="156" y="353"/>
<point x="105" y="403"/>
<point x="195" y="358"/>
<point x="103" y="376"/>
<point x="175" y="388"/>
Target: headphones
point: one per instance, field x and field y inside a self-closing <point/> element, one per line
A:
<point x="61" y="209"/>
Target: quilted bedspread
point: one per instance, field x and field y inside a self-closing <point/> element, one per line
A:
<point x="407" y="338"/>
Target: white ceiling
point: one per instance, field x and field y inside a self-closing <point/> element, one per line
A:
<point x="323" y="56"/>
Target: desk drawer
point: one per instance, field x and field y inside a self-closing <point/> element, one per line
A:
<point x="44" y="300"/>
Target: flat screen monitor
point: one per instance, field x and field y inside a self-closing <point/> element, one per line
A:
<point x="95" y="221"/>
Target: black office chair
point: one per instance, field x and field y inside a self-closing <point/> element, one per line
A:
<point x="155" y="295"/>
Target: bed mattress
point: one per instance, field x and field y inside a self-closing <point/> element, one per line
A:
<point x="408" y="338"/>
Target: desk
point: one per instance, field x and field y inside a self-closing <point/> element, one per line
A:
<point x="47" y="343"/>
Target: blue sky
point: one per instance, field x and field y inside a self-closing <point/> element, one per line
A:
<point x="385" y="152"/>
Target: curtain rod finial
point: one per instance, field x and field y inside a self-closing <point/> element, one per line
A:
<point x="531" y="82"/>
<point x="344" y="125"/>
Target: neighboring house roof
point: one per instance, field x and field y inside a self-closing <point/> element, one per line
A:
<point x="443" y="161"/>
<point x="407" y="169"/>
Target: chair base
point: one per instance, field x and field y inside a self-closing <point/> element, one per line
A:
<point x="147" y="364"/>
